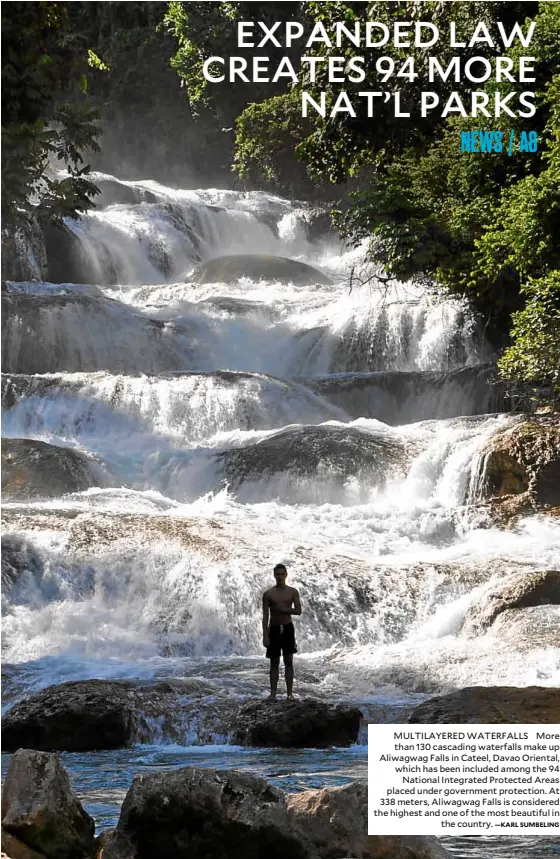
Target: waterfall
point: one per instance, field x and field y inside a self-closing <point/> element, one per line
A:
<point x="183" y="437"/>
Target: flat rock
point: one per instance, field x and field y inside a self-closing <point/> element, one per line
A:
<point x="88" y="715"/>
<point x="523" y="590"/>
<point x="229" y="269"/>
<point x="491" y="705"/>
<point x="40" y="809"/>
<point x="300" y="723"/>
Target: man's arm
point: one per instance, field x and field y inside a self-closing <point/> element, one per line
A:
<point x="265" y="609"/>
<point x="297" y="604"/>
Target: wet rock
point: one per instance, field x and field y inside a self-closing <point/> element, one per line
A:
<point x="228" y="269"/>
<point x="491" y="705"/>
<point x="77" y="329"/>
<point x="397" y="397"/>
<point x="204" y="813"/>
<point x="18" y="556"/>
<point x="80" y="716"/>
<point x="519" y="592"/>
<point x="66" y="257"/>
<point x="529" y="628"/>
<point x="24" y="254"/>
<point x="300" y="723"/>
<point x="87" y="715"/>
<point x="335" y="821"/>
<point x="13" y="848"/>
<point x="34" y="469"/>
<point x="230" y="815"/>
<point x="112" y="191"/>
<point x="330" y="454"/>
<point x="319" y="224"/>
<point x="523" y="460"/>
<point x="40" y="809"/>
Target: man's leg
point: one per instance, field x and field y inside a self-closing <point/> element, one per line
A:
<point x="274" y="672"/>
<point x="289" y="673"/>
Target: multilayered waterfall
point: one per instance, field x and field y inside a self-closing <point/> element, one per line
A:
<point x="168" y="440"/>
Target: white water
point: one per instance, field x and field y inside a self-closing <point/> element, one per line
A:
<point x="165" y="564"/>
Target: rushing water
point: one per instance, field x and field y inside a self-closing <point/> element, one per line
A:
<point x="227" y="427"/>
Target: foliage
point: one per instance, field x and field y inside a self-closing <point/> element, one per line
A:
<point x="267" y="137"/>
<point x="43" y="125"/>
<point x="479" y="224"/>
<point x="202" y="30"/>
<point x="534" y="355"/>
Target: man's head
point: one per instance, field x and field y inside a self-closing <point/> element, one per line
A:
<point x="280" y="573"/>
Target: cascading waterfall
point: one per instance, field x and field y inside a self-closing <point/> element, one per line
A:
<point x="231" y="426"/>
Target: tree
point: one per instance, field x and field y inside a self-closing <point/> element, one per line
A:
<point x="46" y="119"/>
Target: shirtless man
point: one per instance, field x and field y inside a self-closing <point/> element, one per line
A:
<point x="280" y="602"/>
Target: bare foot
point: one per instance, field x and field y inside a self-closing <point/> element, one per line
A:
<point x="271" y="698"/>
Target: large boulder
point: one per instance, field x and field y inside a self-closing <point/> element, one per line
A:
<point x="77" y="716"/>
<point x="335" y="821"/>
<point x="229" y="269"/>
<point x="330" y="455"/>
<point x="40" y="809"/>
<point x="222" y="814"/>
<point x="202" y="813"/>
<point x="523" y="460"/>
<point x="491" y="705"/>
<point x="301" y="723"/>
<point x="34" y="469"/>
<point x="87" y="715"/>
<point x="523" y="590"/>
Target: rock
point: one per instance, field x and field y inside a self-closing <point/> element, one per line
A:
<point x="529" y="628"/>
<point x="34" y="469"/>
<point x="319" y="224"/>
<point x="335" y="821"/>
<point x="491" y="705"/>
<point x="228" y="269"/>
<point x="87" y="715"/>
<point x="24" y="255"/>
<point x="523" y="460"/>
<point x="223" y="814"/>
<point x="399" y="397"/>
<point x="13" y="848"/>
<point x="332" y="455"/>
<point x="76" y="329"/>
<point x="39" y="808"/>
<point x="202" y="813"/>
<point x="301" y="723"/>
<point x="77" y="716"/>
<point x="521" y="591"/>
<point x="18" y="556"/>
<point x="67" y="259"/>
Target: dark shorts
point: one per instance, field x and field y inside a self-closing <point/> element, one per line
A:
<point x="281" y="639"/>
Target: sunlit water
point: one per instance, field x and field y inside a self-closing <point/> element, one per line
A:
<point x="226" y="428"/>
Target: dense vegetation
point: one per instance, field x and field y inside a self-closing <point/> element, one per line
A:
<point x="42" y="122"/>
<point x="484" y="226"/>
